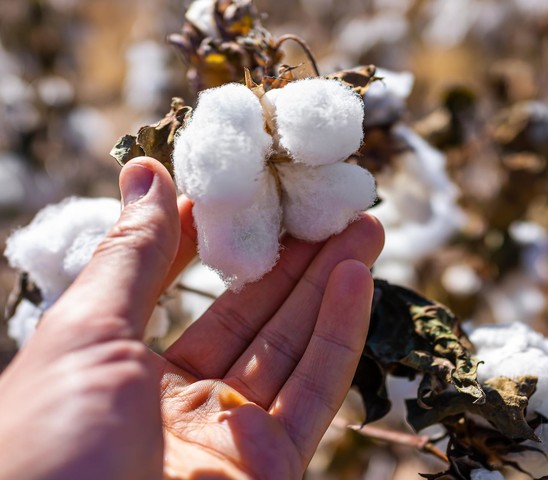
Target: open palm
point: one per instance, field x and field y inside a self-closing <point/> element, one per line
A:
<point x="263" y="372"/>
<point x="246" y="392"/>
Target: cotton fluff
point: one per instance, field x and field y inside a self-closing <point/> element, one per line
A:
<point x="384" y="101"/>
<point x="241" y="245"/>
<point x="419" y="210"/>
<point x="321" y="201"/>
<point x="318" y="121"/>
<point x="201" y="13"/>
<point x="484" y="474"/>
<point x="220" y="154"/>
<point x="53" y="248"/>
<point x="23" y="323"/>
<point x="513" y="350"/>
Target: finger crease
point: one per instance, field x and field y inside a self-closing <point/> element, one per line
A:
<point x="280" y="343"/>
<point x="337" y="343"/>
<point x="314" y="389"/>
<point x="234" y="323"/>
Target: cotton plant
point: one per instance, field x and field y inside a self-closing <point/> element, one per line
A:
<point x="419" y="208"/>
<point x="257" y="163"/>
<point x="419" y="211"/>
<point x="53" y="249"/>
<point x="512" y="350"/>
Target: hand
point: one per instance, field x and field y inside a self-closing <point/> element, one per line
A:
<point x="246" y="392"/>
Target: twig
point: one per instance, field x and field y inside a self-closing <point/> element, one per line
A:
<point x="186" y="288"/>
<point x="303" y="45"/>
<point x="420" y="442"/>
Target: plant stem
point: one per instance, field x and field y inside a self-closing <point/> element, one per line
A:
<point x="420" y="442"/>
<point x="303" y="45"/>
<point x="186" y="288"/>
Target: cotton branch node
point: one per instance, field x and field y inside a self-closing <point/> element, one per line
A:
<point x="256" y="164"/>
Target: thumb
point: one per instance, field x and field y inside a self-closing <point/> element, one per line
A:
<point x="115" y="294"/>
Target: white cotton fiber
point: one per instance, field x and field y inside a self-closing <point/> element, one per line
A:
<point x="220" y="155"/>
<point x="321" y="201"/>
<point x="513" y="350"/>
<point x="318" y="121"/>
<point x="23" y="323"/>
<point x="60" y="240"/>
<point x="484" y="474"/>
<point x="241" y="245"/>
<point x="201" y="14"/>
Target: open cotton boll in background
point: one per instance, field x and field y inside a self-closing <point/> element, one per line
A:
<point x="384" y="101"/>
<point x="318" y="121"/>
<point x="23" y="323"/>
<point x="484" y="474"/>
<point x="219" y="156"/>
<point x="44" y="248"/>
<point x="204" y="279"/>
<point x="242" y="244"/>
<point x="201" y="14"/>
<point x="419" y="211"/>
<point x="513" y="350"/>
<point x="321" y="201"/>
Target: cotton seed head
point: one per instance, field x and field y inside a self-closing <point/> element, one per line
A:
<point x="318" y="121"/>
<point x="218" y="157"/>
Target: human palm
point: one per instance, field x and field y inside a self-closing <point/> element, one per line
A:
<point x="246" y="392"/>
<point x="255" y="382"/>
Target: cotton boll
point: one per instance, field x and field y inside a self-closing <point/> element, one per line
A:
<point x="219" y="156"/>
<point x="201" y="14"/>
<point x="384" y="101"/>
<point x="484" y="474"/>
<point x="419" y="210"/>
<point x="23" y="323"/>
<point x="513" y="350"/>
<point x="54" y="247"/>
<point x="321" y="201"/>
<point x="318" y="121"/>
<point x="242" y="244"/>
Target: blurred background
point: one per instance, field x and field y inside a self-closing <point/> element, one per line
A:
<point x="466" y="213"/>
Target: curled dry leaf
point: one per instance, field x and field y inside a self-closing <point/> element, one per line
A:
<point x="154" y="140"/>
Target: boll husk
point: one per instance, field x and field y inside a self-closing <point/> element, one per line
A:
<point x="245" y="196"/>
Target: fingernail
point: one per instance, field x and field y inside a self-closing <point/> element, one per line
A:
<point x="136" y="183"/>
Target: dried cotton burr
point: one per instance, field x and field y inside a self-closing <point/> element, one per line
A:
<point x="256" y="164"/>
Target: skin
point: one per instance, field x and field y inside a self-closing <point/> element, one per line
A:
<point x="246" y="392"/>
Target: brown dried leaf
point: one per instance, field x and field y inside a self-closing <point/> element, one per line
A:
<point x="154" y="140"/>
<point x="504" y="407"/>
